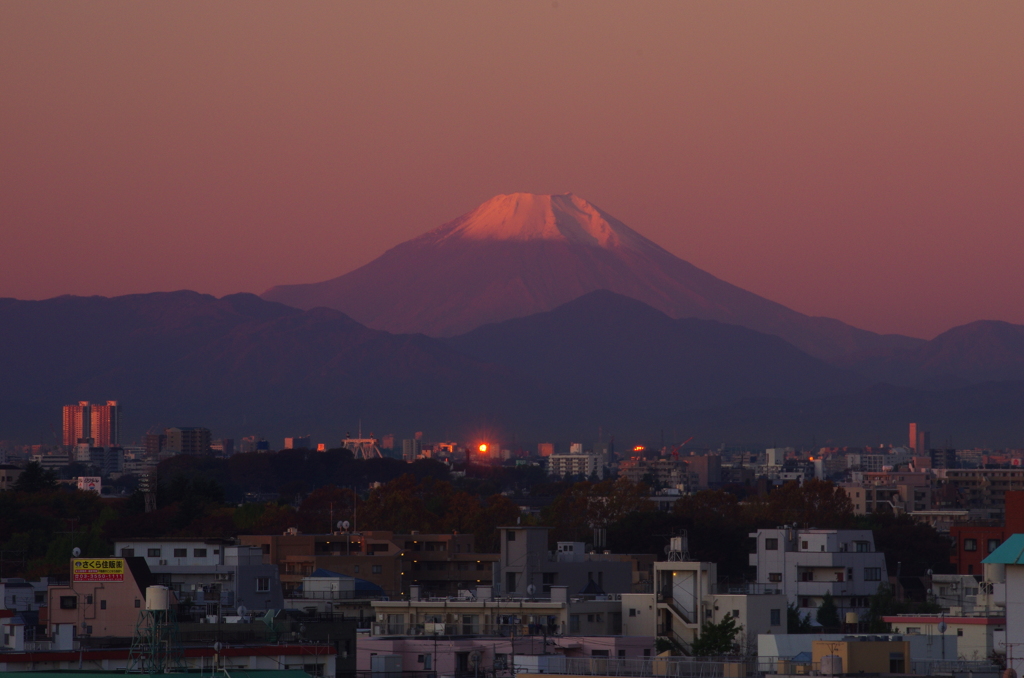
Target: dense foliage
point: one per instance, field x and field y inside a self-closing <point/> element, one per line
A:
<point x="204" y="497"/>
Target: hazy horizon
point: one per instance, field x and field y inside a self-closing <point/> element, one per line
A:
<point x="861" y="162"/>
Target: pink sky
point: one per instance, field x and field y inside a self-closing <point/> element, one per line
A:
<point x="858" y="160"/>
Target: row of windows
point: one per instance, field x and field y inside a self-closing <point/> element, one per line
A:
<point x="870" y="574"/>
<point x="972" y="544"/>
<point x="178" y="553"/>
<point x="772" y="544"/>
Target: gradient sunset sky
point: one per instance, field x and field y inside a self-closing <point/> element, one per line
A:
<point x="860" y="160"/>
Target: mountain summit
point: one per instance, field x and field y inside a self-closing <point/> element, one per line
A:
<point x="525" y="216"/>
<point x="520" y="254"/>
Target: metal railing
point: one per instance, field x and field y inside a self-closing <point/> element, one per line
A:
<point x="937" y="667"/>
<point x="460" y="629"/>
<point x="332" y="595"/>
<point x="744" y="588"/>
<point x="659" y="667"/>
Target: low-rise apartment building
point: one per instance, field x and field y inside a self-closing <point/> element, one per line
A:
<point x="805" y="564"/>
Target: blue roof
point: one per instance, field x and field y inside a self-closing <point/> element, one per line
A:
<point x="360" y="584"/>
<point x="1010" y="552"/>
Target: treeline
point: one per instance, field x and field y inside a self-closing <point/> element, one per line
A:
<point x="40" y="525"/>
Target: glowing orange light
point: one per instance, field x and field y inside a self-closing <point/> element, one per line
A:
<point x="638" y="448"/>
<point x="483" y="448"/>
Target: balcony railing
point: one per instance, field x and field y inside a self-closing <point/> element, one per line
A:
<point x="332" y="595"/>
<point x="745" y="588"/>
<point x="460" y="629"/>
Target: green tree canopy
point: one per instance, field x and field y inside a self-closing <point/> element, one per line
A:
<point x="828" y="613"/>
<point x="717" y="639"/>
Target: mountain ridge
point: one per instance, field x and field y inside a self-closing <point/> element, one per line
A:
<point x="443" y="285"/>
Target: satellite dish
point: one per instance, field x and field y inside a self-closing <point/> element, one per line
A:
<point x="217" y="647"/>
<point x="531" y="589"/>
<point x="343" y="524"/>
<point x="75" y="552"/>
<point x="242" y="610"/>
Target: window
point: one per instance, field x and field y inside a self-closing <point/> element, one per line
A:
<point x="376" y="569"/>
<point x="647" y="652"/>
<point x="510" y="583"/>
<point x="153" y="553"/>
<point x="735" y="614"/>
<point x="68" y="602"/>
<point x="262" y="584"/>
<point x="993" y="544"/>
<point x="771" y="544"/>
<point x="357" y="569"/>
<point x="127" y="553"/>
<point x="970" y="544"/>
<point x="500" y="662"/>
<point x="266" y="549"/>
<point x="960" y="633"/>
<point x="803" y="545"/>
<point x="574" y="623"/>
<point x="872" y="574"/>
<point x="510" y="536"/>
<point x="632" y="612"/>
<point x="198" y="553"/>
<point x="181" y="553"/>
<point x="88" y="600"/>
<point x="103" y="604"/>
<point x="775" y="577"/>
<point x="425" y="659"/>
<point x="863" y="547"/>
<point x="622" y="654"/>
<point x="590" y="618"/>
<point x="776" y="617"/>
<point x="138" y="603"/>
<point x="599" y="653"/>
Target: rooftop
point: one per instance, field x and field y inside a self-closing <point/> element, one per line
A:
<point x="1011" y="552"/>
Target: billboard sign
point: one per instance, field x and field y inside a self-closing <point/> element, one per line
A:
<point x="90" y="483"/>
<point x="97" y="569"/>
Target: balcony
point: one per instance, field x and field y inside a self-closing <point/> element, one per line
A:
<point x="745" y="589"/>
<point x="462" y="629"/>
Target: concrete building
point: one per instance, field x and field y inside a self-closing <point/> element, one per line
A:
<point x="298" y="443"/>
<point x="94" y="424"/>
<point x="978" y="638"/>
<point x="210" y="577"/>
<point x="468" y="655"/>
<point x="805" y="564"/>
<point x="105" y="424"/>
<point x="187" y="440"/>
<point x="482" y="612"/>
<point x="1009" y="559"/>
<point x="441" y="564"/>
<point x="103" y="598"/>
<point x="9" y="476"/>
<point x="525" y="561"/>
<point x="76" y="423"/>
<point x="688" y="595"/>
<point x="575" y="465"/>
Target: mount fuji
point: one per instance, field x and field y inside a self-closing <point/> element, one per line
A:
<point x="520" y="254"/>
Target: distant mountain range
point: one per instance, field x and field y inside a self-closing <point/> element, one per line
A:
<point x="521" y="254"/>
<point x="243" y="365"/>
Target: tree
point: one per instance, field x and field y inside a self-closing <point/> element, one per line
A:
<point x="828" y="613"/>
<point x="795" y="623"/>
<point x="716" y="639"/>
<point x="35" y="479"/>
